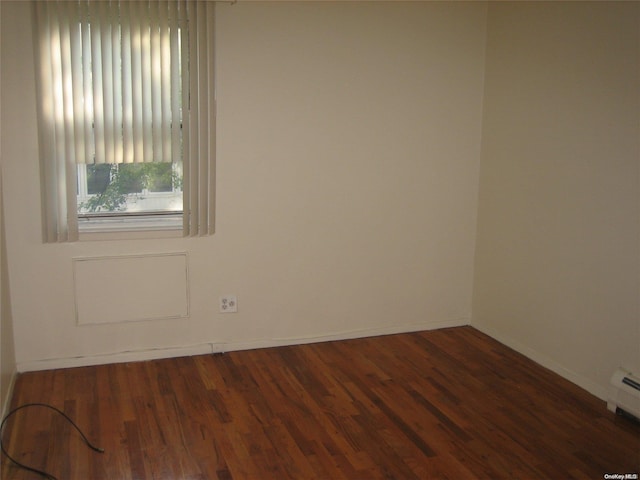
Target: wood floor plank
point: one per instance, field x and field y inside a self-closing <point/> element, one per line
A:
<point x="443" y="404"/>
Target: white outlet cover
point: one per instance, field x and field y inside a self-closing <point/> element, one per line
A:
<point x="228" y="304"/>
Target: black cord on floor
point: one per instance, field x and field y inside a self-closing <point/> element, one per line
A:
<point x="31" y="469"/>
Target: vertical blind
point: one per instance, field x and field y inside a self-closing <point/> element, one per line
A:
<point x="125" y="82"/>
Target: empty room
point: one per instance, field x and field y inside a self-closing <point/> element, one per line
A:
<point x="319" y="240"/>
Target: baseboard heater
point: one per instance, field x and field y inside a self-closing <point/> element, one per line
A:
<point x="624" y="394"/>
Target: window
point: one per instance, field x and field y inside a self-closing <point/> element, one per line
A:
<point x="126" y="115"/>
<point x="126" y="195"/>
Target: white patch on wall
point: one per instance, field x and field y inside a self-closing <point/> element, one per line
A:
<point x="131" y="288"/>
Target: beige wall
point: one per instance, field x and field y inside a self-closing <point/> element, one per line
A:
<point x="558" y="250"/>
<point x="347" y="175"/>
<point x="7" y="350"/>
<point x="350" y="139"/>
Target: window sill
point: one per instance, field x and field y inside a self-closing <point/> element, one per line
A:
<point x="123" y="228"/>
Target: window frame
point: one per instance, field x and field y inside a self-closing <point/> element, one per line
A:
<point x="144" y="220"/>
<point x="60" y="222"/>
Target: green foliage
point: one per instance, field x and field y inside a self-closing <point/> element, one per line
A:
<point x="126" y="180"/>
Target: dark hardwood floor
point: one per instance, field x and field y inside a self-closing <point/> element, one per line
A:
<point x="444" y="404"/>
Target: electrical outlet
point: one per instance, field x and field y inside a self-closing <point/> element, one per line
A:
<point x="228" y="304"/>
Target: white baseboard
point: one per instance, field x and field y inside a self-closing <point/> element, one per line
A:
<point x="117" y="357"/>
<point x="546" y="362"/>
<point x="217" y="347"/>
<point x="344" y="335"/>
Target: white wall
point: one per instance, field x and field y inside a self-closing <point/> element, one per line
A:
<point x="558" y="250"/>
<point x="347" y="176"/>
